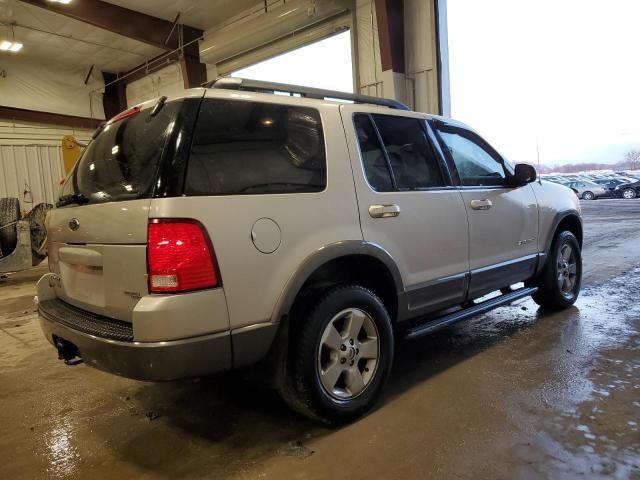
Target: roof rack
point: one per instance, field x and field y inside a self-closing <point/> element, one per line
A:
<point x="232" y="83"/>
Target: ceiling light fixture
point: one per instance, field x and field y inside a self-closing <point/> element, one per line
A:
<point x="10" y="46"/>
<point x="64" y="2"/>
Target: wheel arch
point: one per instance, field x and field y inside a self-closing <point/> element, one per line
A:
<point x="353" y="261"/>
<point x="569" y="221"/>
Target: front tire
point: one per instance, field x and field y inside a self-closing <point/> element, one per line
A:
<point x="560" y="281"/>
<point x="341" y="355"/>
<point x="588" y="196"/>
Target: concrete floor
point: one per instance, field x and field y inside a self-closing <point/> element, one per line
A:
<point x="512" y="394"/>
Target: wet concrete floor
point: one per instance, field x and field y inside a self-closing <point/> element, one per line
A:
<point x="515" y="393"/>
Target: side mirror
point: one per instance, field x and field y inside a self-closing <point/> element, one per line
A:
<point x="523" y="174"/>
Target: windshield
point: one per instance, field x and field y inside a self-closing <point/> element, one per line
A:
<point x="121" y="163"/>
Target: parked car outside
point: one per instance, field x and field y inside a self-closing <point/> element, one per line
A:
<point x="219" y="229"/>
<point x="610" y="183"/>
<point x="627" y="190"/>
<point x="587" y="190"/>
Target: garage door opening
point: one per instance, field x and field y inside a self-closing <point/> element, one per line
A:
<point x="555" y="84"/>
<point x="324" y="64"/>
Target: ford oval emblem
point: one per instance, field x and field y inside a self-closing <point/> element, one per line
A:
<point x="74" y="224"/>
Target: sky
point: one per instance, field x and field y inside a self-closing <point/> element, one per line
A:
<point x="326" y="64"/>
<point x="562" y="74"/>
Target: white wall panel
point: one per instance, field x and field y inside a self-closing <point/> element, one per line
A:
<point x="37" y="168"/>
<point x="167" y="81"/>
<point x="22" y="133"/>
<point x="49" y="87"/>
<point x="31" y="154"/>
<point x="368" y="50"/>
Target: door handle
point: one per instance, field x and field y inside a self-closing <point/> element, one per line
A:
<point x="481" y="204"/>
<point x="384" y="211"/>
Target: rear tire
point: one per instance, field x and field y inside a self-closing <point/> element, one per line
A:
<point x="340" y="355"/>
<point x="561" y="279"/>
<point x="629" y="193"/>
<point x="9" y="213"/>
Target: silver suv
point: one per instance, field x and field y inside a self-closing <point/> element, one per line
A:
<point x="308" y="232"/>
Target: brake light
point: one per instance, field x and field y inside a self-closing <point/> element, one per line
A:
<point x="179" y="257"/>
<point x="126" y="114"/>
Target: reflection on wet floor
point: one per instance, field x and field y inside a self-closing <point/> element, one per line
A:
<point x="62" y="452"/>
<point x="595" y="386"/>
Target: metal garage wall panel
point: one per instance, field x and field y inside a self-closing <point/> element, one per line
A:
<point x="22" y="133"/>
<point x="31" y="154"/>
<point x="36" y="167"/>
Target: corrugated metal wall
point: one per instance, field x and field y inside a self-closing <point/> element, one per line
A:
<point x="37" y="168"/>
<point x="31" y="157"/>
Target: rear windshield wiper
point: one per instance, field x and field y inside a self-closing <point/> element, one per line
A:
<point x="78" y="198"/>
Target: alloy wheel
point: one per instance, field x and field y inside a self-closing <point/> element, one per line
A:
<point x="348" y="354"/>
<point x="567" y="270"/>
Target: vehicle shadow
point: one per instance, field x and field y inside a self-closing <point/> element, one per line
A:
<point x="223" y="424"/>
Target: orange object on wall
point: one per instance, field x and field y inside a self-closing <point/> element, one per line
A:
<point x="70" y="152"/>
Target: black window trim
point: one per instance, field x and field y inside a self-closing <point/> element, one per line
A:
<point x="443" y="167"/>
<point x="392" y="175"/>
<point x="455" y="175"/>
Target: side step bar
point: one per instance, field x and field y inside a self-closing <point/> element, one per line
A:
<point x="437" y="323"/>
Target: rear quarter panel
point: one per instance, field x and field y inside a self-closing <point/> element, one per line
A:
<point x="253" y="281"/>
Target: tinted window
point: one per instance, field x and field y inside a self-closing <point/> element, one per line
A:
<point x="411" y="157"/>
<point x="375" y="163"/>
<point x="246" y="148"/>
<point x="121" y="163"/>
<point x="476" y="163"/>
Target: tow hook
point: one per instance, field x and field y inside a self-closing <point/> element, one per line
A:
<point x="67" y="352"/>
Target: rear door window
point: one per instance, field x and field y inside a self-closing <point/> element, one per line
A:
<point x="396" y="154"/>
<point x="243" y="148"/>
<point x="413" y="162"/>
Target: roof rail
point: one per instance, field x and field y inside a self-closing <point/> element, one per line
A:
<point x="232" y="83"/>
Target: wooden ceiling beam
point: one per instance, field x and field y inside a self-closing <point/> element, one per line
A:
<point x="25" y="115"/>
<point x="144" y="28"/>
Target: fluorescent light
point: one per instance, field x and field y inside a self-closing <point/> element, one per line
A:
<point x="10" y="46"/>
<point x="64" y="2"/>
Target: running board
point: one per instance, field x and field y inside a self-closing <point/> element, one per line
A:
<point x="449" y="319"/>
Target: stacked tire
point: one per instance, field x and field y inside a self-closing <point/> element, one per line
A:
<point x="9" y="215"/>
<point x="38" y="231"/>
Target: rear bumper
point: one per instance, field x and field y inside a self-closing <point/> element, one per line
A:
<point x="145" y="360"/>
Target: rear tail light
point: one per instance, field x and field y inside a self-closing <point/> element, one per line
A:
<point x="179" y="257"/>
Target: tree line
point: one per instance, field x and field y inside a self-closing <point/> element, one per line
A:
<point x="631" y="161"/>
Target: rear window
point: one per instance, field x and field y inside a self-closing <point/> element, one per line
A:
<point x="121" y="163"/>
<point x="243" y="148"/>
